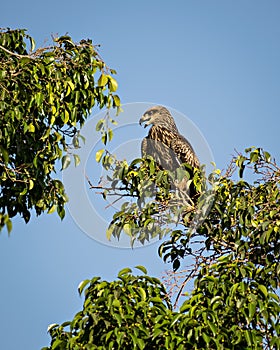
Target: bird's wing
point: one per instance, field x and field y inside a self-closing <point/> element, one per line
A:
<point x="163" y="155"/>
<point x="144" y="147"/>
<point x="184" y="151"/>
<point x="168" y="148"/>
<point x="180" y="150"/>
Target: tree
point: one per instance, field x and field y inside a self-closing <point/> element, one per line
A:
<point x="231" y="232"/>
<point x="234" y="303"/>
<point x="46" y="96"/>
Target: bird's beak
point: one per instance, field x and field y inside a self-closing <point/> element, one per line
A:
<point x="145" y="119"/>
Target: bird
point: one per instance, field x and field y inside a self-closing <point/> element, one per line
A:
<point x="167" y="146"/>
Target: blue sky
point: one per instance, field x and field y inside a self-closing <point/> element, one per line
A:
<point x="217" y="62"/>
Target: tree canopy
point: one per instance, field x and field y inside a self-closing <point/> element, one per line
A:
<point x="46" y="96"/>
<point x="234" y="303"/>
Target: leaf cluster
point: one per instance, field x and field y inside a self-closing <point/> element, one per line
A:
<point x="119" y="314"/>
<point x="244" y="218"/>
<point x="46" y="96"/>
<point x="234" y="246"/>
<point x="227" y="310"/>
<point x="155" y="203"/>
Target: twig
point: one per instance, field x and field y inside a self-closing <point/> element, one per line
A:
<point x="13" y="53"/>
<point x="190" y="276"/>
<point x="115" y="201"/>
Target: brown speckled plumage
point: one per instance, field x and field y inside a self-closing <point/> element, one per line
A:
<point x="164" y="142"/>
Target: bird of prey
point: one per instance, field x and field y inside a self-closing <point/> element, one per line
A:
<point x="165" y="144"/>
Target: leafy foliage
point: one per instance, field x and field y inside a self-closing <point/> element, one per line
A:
<point x="244" y="219"/>
<point x="155" y="203"/>
<point x="46" y="96"/>
<point x="234" y="303"/>
<point x="119" y="314"/>
<point x="134" y="312"/>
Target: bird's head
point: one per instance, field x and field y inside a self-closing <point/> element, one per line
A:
<point x="158" y="116"/>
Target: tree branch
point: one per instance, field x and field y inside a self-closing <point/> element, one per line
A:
<point x="14" y="54"/>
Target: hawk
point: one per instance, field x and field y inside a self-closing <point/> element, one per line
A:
<point x="165" y="144"/>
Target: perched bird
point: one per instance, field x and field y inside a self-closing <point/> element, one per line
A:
<point x="166" y="145"/>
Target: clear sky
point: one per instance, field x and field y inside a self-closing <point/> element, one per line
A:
<point x="216" y="61"/>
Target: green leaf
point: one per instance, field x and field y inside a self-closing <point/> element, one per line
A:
<point x="267" y="156"/>
<point x="104" y="138"/>
<point x="61" y="212"/>
<point x="157" y="332"/>
<point x="124" y="271"/>
<point x="212" y="327"/>
<point x="252" y="309"/>
<point x="206" y="338"/>
<point x="113" y="85"/>
<point x="109" y="232"/>
<point x="118" y="318"/>
<point x="76" y="159"/>
<point x="52" y="326"/>
<point x="31" y="128"/>
<point x="52" y="209"/>
<point x="32" y="44"/>
<point x="31" y="184"/>
<point x="175" y="319"/>
<point x="263" y="289"/>
<point x="58" y="344"/>
<point x="66" y="160"/>
<point x="116" y="303"/>
<point x="65" y="116"/>
<point x="127" y="229"/>
<point x="82" y="285"/>
<point x="24" y="191"/>
<point x="71" y="85"/>
<point x="141" y="268"/>
<point x="103" y="79"/>
<point x="140" y="343"/>
<point x="75" y="142"/>
<point x="142" y="293"/>
<point x="5" y="154"/>
<point x="9" y="225"/>
<point x="99" y="154"/>
<point x="110" y="134"/>
<point x="248" y="336"/>
<point x="254" y="156"/>
<point x="117" y="101"/>
<point x="156" y="300"/>
<point x="99" y="124"/>
<point x="184" y="307"/>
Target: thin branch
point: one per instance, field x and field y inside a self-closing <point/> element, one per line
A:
<point x="13" y="53"/>
<point x="111" y="204"/>
<point x="189" y="277"/>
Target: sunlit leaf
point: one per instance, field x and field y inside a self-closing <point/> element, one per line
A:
<point x="124" y="271"/>
<point x="141" y="268"/>
<point x="77" y="159"/>
<point x="66" y="160"/>
<point x="113" y="85"/>
<point x="82" y="285"/>
<point x="52" y="209"/>
<point x="263" y="289"/>
<point x="103" y="79"/>
<point x="99" y="154"/>
<point x="31" y="128"/>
